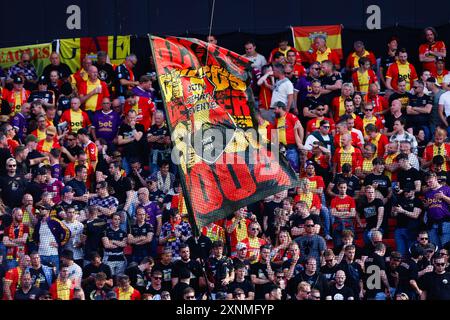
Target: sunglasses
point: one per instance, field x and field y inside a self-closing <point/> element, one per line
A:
<point x="326" y="127"/>
<point x="12" y="165"/>
<point x="26" y="61"/>
<point x="157" y="278"/>
<point x="309" y="225"/>
<point x="423" y="238"/>
<point x="255" y="229"/>
<point x="320" y="109"/>
<point x="368" y="109"/>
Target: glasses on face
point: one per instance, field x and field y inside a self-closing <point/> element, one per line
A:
<point x="320" y="109"/>
<point x="326" y="127"/>
<point x="12" y="165"/>
<point x="255" y="229"/>
<point x="307" y="292"/>
<point x="157" y="278"/>
<point x="423" y="238"/>
<point x="309" y="225"/>
<point x="443" y="254"/>
<point x="440" y="264"/>
<point x="368" y="110"/>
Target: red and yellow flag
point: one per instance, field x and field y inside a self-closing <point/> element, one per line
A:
<point x="304" y="38"/>
<point x="75" y="49"/>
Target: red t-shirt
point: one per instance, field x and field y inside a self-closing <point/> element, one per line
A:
<point x="437" y="46"/>
<point x="95" y="102"/>
<point x="353" y="156"/>
<point x="144" y="109"/>
<point x="314" y="124"/>
<point x="405" y="71"/>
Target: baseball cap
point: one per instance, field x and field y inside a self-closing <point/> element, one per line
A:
<point x="280" y="104"/>
<point x="240" y="246"/>
<point x="217" y="244"/>
<point x="101" y="54"/>
<point x="430" y="247"/>
<point x="396" y="255"/>
<point x="408" y="187"/>
<point x="151" y="179"/>
<point x="42" y="80"/>
<point x="18" y="80"/>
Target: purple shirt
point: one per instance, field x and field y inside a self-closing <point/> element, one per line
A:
<point x="153" y="211"/>
<point x="303" y="86"/>
<point x="438" y="209"/>
<point x="106" y="125"/>
<point x="56" y="171"/>
<point x="19" y="122"/>
<point x="143" y="93"/>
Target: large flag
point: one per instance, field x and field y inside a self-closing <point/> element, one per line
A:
<point x="75" y="49"/>
<point x="40" y="54"/>
<point x="304" y="37"/>
<point x="210" y="111"/>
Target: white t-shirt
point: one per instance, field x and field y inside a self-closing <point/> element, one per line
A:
<point x="445" y="101"/>
<point x="446" y="79"/>
<point x="258" y="61"/>
<point x="45" y="238"/>
<point x="311" y="139"/>
<point x="75" y="273"/>
<point x="76" y="230"/>
<point x="281" y="90"/>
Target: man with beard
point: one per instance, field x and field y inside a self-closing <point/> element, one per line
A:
<point x="12" y="185"/>
<point x="42" y="276"/>
<point x="197" y="278"/>
<point x="15" y="239"/>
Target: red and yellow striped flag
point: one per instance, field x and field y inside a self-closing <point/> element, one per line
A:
<point x="304" y="37"/>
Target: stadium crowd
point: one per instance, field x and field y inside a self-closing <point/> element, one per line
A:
<point x="91" y="205"/>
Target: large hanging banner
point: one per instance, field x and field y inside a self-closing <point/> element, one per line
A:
<point x="40" y="55"/>
<point x="74" y="50"/>
<point x="223" y="164"/>
<point x="304" y="38"/>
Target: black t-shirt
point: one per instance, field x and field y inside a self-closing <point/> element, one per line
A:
<point x="385" y="62"/>
<point x="94" y="293"/>
<point x="352" y="184"/>
<point x="404" y="221"/>
<point x="407" y="177"/>
<point x="353" y="274"/>
<point x="384" y="183"/>
<point x="91" y="270"/>
<point x="373" y="260"/>
<point x="329" y="272"/>
<point x="217" y="271"/>
<point x="121" y="73"/>
<point x="370" y="212"/>
<point x="245" y="285"/>
<point x="137" y="182"/>
<point x="177" y="291"/>
<point x="155" y="131"/>
<point x="46" y="96"/>
<point x="39" y="280"/>
<point x="331" y="80"/>
<point x="437" y="286"/>
<point x="269" y="212"/>
<point x="73" y="151"/>
<point x="150" y="290"/>
<point x="404" y="98"/>
<point x="36" y="190"/>
<point x="260" y="271"/>
<point x="23" y="167"/>
<point x="200" y="248"/>
<point x="119" y="188"/>
<point x="4" y="155"/>
<point x="312" y="103"/>
<point x="63" y="70"/>
<point x="340" y="294"/>
<point x="133" y="148"/>
<point x="167" y="271"/>
<point x="105" y="72"/>
<point x="32" y="294"/>
<point x="94" y="231"/>
<point x="419" y="119"/>
<point x="297" y="220"/>
<point x="389" y="121"/>
<point x="443" y="177"/>
<point x="5" y="222"/>
<point x="117" y="235"/>
<point x="12" y="190"/>
<point x="137" y="277"/>
<point x="139" y="231"/>
<point x="403" y="277"/>
<point x="79" y="187"/>
<point x="317" y="281"/>
<point x="63" y="104"/>
<point x="194" y="267"/>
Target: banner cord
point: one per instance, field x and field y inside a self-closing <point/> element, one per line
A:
<point x="210" y="28"/>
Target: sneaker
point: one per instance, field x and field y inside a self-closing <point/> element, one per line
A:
<point x="328" y="237"/>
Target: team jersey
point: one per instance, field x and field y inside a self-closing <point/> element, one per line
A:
<point x="327" y="55"/>
<point x="362" y="80"/>
<point x="433" y="150"/>
<point x="16" y="99"/>
<point x="353" y="157"/>
<point x="338" y="107"/>
<point x="45" y="146"/>
<point x="312" y="200"/>
<point x="353" y="59"/>
<point x="314" y="124"/>
<point x="356" y="142"/>
<point x="95" y="102"/>
<point x="343" y="205"/>
<point x="397" y="71"/>
<point x="92" y="152"/>
<point x="316" y="182"/>
<point x="284" y="52"/>
<point x="388" y="160"/>
<point x="380" y="141"/>
<point x="78" y="77"/>
<point x="144" y="108"/>
<point x="299" y="70"/>
<point x="214" y="232"/>
<point x="378" y="103"/>
<point x="424" y="48"/>
<point x="75" y="119"/>
<point x="440" y="76"/>
<point x="286" y="128"/>
<point x="375" y="121"/>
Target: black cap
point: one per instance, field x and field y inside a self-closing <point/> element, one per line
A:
<point x="68" y="254"/>
<point x="42" y="80"/>
<point x="83" y="131"/>
<point x="408" y="187"/>
<point x="18" y="80"/>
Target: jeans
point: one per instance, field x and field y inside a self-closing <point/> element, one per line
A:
<point x="327" y="219"/>
<point x="51" y="261"/>
<point x="404" y="238"/>
<point x="440" y="233"/>
<point x="293" y="158"/>
<point x="117" y="267"/>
